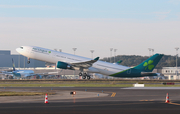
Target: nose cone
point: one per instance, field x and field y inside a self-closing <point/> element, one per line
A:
<point x="18" y="50"/>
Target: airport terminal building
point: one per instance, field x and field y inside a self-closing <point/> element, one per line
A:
<point x="19" y="60"/>
<point x="171" y="73"/>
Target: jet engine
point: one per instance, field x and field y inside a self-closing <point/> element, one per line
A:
<point x="63" y="65"/>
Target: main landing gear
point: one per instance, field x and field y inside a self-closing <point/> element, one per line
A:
<point x="85" y="75"/>
<point x="28" y="61"/>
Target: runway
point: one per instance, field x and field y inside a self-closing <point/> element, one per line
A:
<point x="110" y="100"/>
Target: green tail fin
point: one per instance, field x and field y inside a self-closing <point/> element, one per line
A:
<point x="149" y="64"/>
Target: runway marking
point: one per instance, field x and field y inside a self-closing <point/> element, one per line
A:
<point x="113" y="95"/>
<point x="173" y="103"/>
<point x="146" y="100"/>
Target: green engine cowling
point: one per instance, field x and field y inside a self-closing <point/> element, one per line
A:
<point x="63" y="65"/>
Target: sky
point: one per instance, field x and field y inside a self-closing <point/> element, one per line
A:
<point x="130" y="26"/>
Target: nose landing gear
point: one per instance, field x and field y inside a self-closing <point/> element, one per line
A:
<point x="28" y="61"/>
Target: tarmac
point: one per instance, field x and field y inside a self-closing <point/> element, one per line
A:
<point x="92" y="100"/>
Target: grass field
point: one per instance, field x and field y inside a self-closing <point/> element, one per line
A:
<point x="12" y="93"/>
<point x="83" y="83"/>
<point x="75" y="83"/>
<point x="66" y="85"/>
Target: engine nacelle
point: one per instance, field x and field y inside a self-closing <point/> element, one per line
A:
<point x="63" y="65"/>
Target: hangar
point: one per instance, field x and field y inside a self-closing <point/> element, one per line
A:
<point x="19" y="60"/>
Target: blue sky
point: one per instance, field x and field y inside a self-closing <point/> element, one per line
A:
<point x="133" y="9"/>
<point x="131" y="26"/>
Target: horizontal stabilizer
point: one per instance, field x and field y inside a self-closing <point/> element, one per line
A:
<point x="119" y="62"/>
<point x="149" y="74"/>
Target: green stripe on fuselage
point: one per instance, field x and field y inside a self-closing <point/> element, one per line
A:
<point x="131" y="72"/>
<point x="119" y="72"/>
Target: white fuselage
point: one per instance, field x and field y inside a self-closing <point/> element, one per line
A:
<point x="52" y="56"/>
<point x="23" y="73"/>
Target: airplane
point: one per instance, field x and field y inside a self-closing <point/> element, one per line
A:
<point x="21" y="73"/>
<point x="87" y="65"/>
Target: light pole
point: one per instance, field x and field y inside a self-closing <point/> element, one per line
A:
<point x="59" y="72"/>
<point x="149" y="51"/>
<point x="74" y="49"/>
<point x="176" y="61"/>
<point x="92" y="51"/>
<point x="19" y="62"/>
<point x="56" y="63"/>
<point x="115" y="55"/>
<point x="152" y="51"/>
<point x="110" y="53"/>
<point x="24" y="62"/>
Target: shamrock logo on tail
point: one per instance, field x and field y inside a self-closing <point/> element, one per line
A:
<point x="149" y="65"/>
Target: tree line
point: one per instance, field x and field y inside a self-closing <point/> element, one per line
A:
<point x="133" y="60"/>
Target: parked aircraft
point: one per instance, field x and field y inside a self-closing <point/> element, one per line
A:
<point x="21" y="73"/>
<point x="87" y="65"/>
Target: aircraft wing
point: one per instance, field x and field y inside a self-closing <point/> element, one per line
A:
<point x="7" y="73"/>
<point x="85" y="64"/>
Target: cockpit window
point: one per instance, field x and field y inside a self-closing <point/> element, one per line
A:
<point x="21" y="47"/>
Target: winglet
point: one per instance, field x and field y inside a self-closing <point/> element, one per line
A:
<point x="96" y="59"/>
<point x="119" y="62"/>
